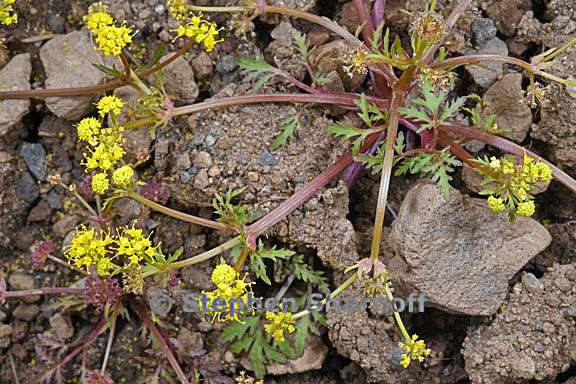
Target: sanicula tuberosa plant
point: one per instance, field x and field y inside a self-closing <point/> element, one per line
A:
<point x="411" y="86"/>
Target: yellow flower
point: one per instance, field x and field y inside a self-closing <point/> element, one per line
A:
<point x="134" y="245"/>
<point x="100" y="183"/>
<point x="5" y="9"/>
<point x="97" y="20"/>
<point x="108" y="150"/>
<point x="280" y="322"/>
<point x="201" y="31"/>
<point x="526" y="208"/>
<point x="110" y="104"/>
<point x="542" y="172"/>
<point x="224" y="275"/>
<point x="112" y="39"/>
<point x="88" y="130"/>
<point x="178" y="9"/>
<point x="229" y="286"/>
<point x="415" y="350"/>
<point x="123" y="176"/>
<point x="496" y="204"/>
<point x="88" y="248"/>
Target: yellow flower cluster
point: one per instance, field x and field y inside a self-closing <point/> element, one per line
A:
<point x="90" y="247"/>
<point x="513" y="183"/>
<point x="111" y="38"/>
<point x="199" y="30"/>
<point x="6" y="15"/>
<point x="134" y="245"/>
<point x="105" y="147"/>
<point x="229" y="286"/>
<point x="280" y="322"/>
<point x="414" y="350"/>
<point x="178" y="9"/>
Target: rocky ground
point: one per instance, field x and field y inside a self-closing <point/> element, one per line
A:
<point x="502" y="297"/>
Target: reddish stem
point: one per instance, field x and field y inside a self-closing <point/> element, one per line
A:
<point x="302" y="195"/>
<point x="141" y="311"/>
<point x="510" y="147"/>
<point x="40" y="291"/>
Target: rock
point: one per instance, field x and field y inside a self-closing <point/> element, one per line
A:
<point x="62" y="326"/>
<point x="66" y="224"/>
<point x="27" y="188"/>
<point x="227" y="64"/>
<point x="179" y="80"/>
<point x="283" y="34"/>
<point x="14" y="76"/>
<point x="67" y="61"/>
<point x="349" y="17"/>
<point x="329" y="57"/>
<point x="504" y="98"/>
<point x="190" y="342"/>
<point x="54" y="200"/>
<point x="529" y="339"/>
<point x="486" y="74"/>
<point x="56" y="23"/>
<point x="41" y="212"/>
<point x="531" y="283"/>
<point x="201" y="159"/>
<point x="26" y="312"/>
<point x="314" y="356"/>
<point x="457" y="252"/>
<point x="507" y="14"/>
<point x="5" y="332"/>
<point x="202" y="66"/>
<point x="301" y="5"/>
<point x="483" y="29"/>
<point x="35" y="157"/>
<point x="268" y="158"/>
<point x="21" y="282"/>
<point x="159" y="301"/>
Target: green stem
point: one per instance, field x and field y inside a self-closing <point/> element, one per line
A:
<point x="177" y="214"/>
<point x="397" y="315"/>
<point x="199" y="258"/>
<point x="332" y="295"/>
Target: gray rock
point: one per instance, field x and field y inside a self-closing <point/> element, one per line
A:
<point x="27" y="188"/>
<point x="14" y="76"/>
<point x="62" y="326"/>
<point x="314" y="356"/>
<point x="54" y="200"/>
<point x="268" y="158"/>
<point x="504" y="98"/>
<point x="179" y="80"/>
<point x="483" y="30"/>
<point x="5" y="332"/>
<point x="67" y="61"/>
<point x="26" y="312"/>
<point x="487" y="73"/>
<point x="531" y="283"/>
<point x="226" y="64"/>
<point x="202" y="66"/>
<point x="35" y="157"/>
<point x="21" y="281"/>
<point x="457" y="252"/>
<point x="159" y="301"/>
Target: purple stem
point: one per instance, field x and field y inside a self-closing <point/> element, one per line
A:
<point x="353" y="171"/>
<point x="378" y="11"/>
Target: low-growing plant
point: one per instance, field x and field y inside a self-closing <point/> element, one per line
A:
<point x="411" y="86"/>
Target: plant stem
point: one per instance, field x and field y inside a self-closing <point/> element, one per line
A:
<point x="241" y="259"/>
<point x="199" y="258"/>
<point x="109" y="344"/>
<point x="40" y="291"/>
<point x="177" y="214"/>
<point x="332" y="295"/>
<point x="302" y="195"/>
<point x="397" y="315"/>
<point x="510" y="147"/>
<point x="400" y="90"/>
<point x="141" y="311"/>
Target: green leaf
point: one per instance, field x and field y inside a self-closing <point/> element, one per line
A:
<point x="256" y="357"/>
<point x="302" y="334"/>
<point x="159" y="52"/>
<point x="254" y="65"/>
<point x="300" y="41"/>
<point x="257" y="259"/>
<point x="109" y="71"/>
<point x="288" y="125"/>
<point x="303" y="272"/>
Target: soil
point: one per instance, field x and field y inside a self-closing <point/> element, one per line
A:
<point x="531" y="338"/>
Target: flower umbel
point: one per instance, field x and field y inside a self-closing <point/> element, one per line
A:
<point x="88" y="130"/>
<point x="232" y="289"/>
<point x="201" y="31"/>
<point x="280" y="322"/>
<point x="122" y="177"/>
<point x="111" y="39"/>
<point x="110" y="104"/>
<point x="7" y="17"/>
<point x="415" y="350"/>
<point x="134" y="245"/>
<point x="89" y="247"/>
<point x="100" y="183"/>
